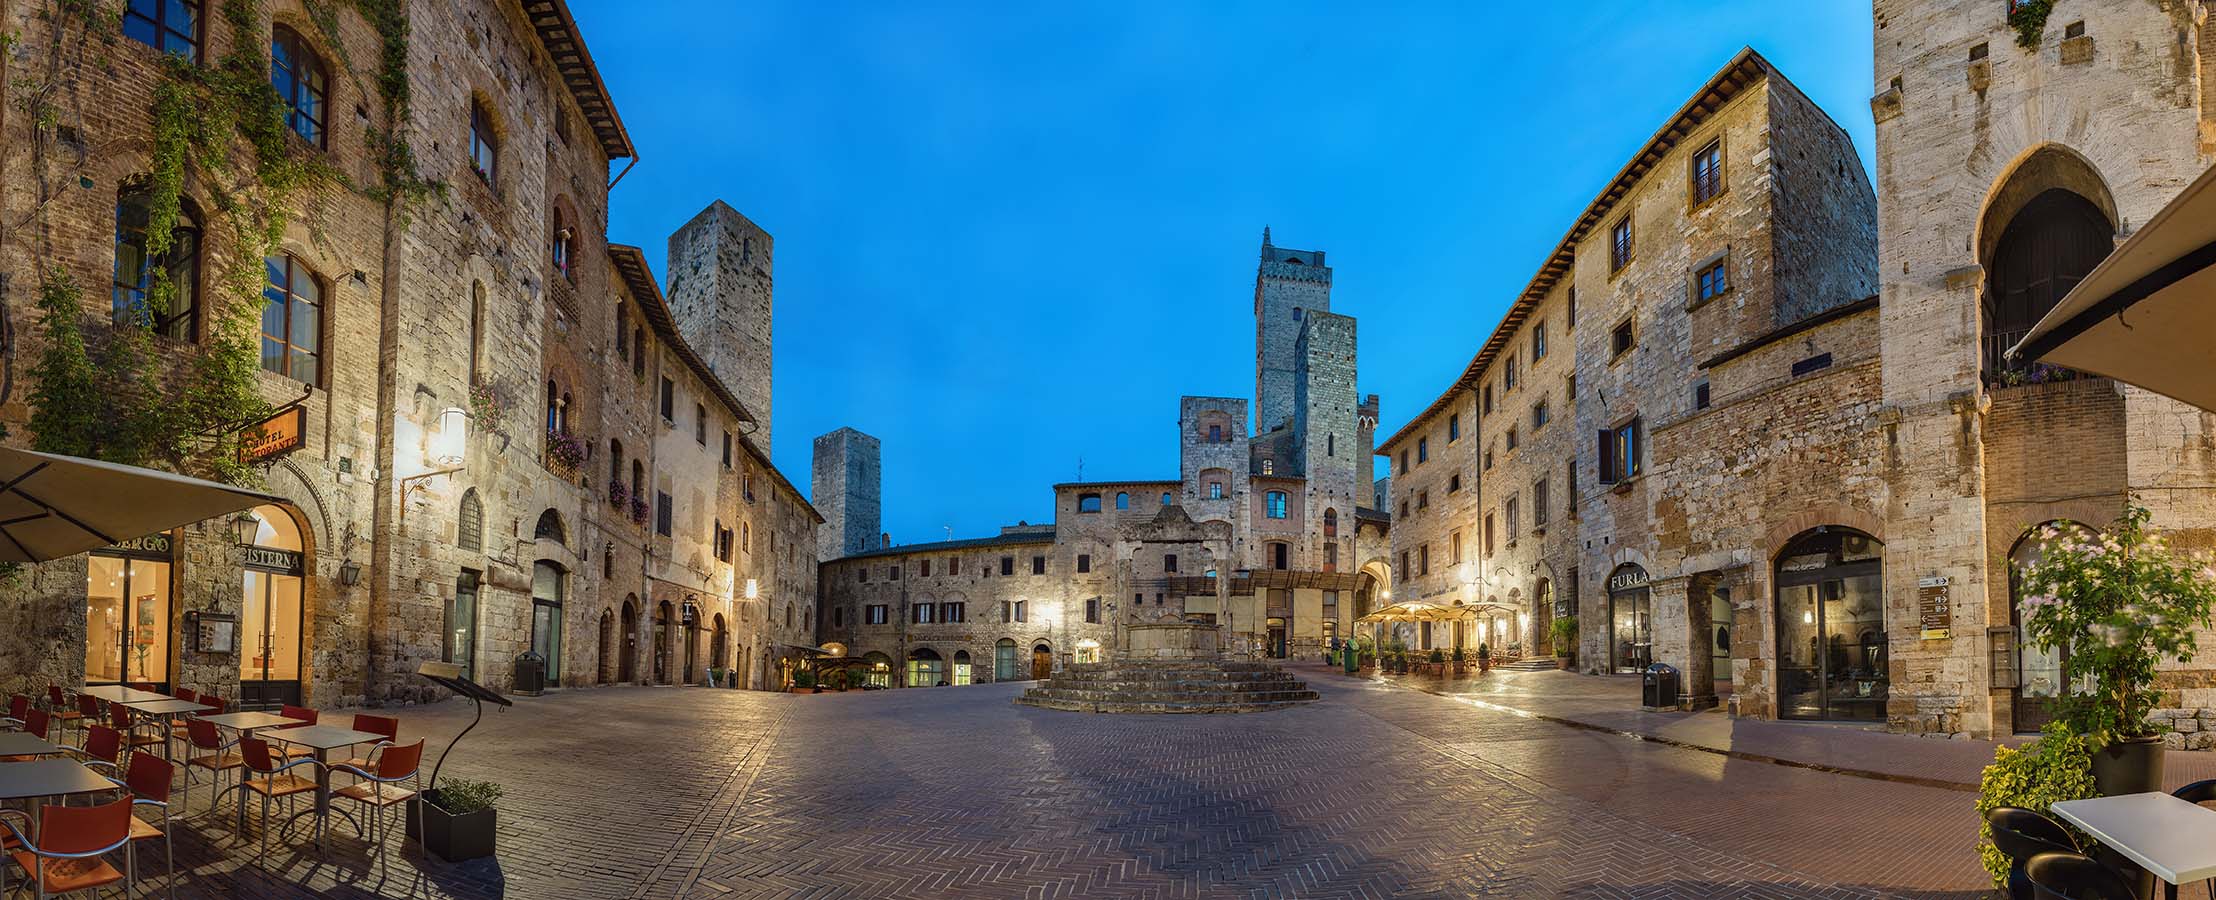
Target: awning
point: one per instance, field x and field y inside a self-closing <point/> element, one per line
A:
<point x="1416" y="612"/>
<point x="55" y="506"/>
<point x="2147" y="314"/>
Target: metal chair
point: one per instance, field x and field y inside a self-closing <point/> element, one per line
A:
<point x="2062" y="875"/>
<point x="103" y="749"/>
<point x="148" y="784"/>
<point x="71" y="840"/>
<point x="385" y="726"/>
<point x="36" y="723"/>
<point x="302" y="715"/>
<point x="59" y="706"/>
<point x="19" y="709"/>
<point x="128" y="723"/>
<point x="377" y="790"/>
<point x="89" y="712"/>
<point x="276" y="781"/>
<point x="217" y="757"/>
<point x="2021" y="834"/>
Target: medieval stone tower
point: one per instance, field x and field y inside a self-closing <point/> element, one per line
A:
<point x="848" y="491"/>
<point x="719" y="290"/>
<point x="1288" y="285"/>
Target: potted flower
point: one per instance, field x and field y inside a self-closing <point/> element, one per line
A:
<point x="1484" y="658"/>
<point x="638" y="510"/>
<point x="564" y="450"/>
<point x="2113" y="606"/>
<point x="459" y="817"/>
<point x="619" y="494"/>
<point x="1461" y="661"/>
<point x="1565" y="642"/>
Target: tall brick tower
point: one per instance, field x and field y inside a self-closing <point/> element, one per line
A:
<point x="1288" y="285"/>
<point x="848" y="492"/>
<point x="719" y="290"/>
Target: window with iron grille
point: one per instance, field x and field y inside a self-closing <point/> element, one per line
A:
<point x="1708" y="172"/>
<point x="1619" y="245"/>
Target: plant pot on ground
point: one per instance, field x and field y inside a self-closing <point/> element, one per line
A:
<point x="2114" y="605"/>
<point x="1565" y="642"/>
<point x="459" y="819"/>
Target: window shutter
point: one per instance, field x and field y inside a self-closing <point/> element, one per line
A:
<point x="1607" y="458"/>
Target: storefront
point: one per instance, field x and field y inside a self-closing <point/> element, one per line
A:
<point x="1005" y="660"/>
<point x="1630" y="620"/>
<point x="271" y="614"/>
<point x="925" y="668"/>
<point x="880" y="671"/>
<point x="1831" y="639"/>
<point x="548" y="582"/>
<point x="127" y="601"/>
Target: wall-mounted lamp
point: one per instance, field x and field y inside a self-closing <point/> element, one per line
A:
<point x="245" y="527"/>
<point x="753" y="589"/>
<point x="350" y="573"/>
<point x="450" y="442"/>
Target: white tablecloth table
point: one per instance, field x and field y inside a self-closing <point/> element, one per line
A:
<point x="2167" y="836"/>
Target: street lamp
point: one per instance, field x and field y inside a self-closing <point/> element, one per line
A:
<point x="446" y="448"/>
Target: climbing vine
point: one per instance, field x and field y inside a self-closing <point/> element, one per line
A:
<point x="2029" y="18"/>
<point x="110" y="393"/>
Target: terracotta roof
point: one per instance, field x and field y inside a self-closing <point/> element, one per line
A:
<point x="1745" y="68"/>
<point x="558" y="33"/>
<point x="630" y="262"/>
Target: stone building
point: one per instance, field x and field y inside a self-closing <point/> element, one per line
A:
<point x="1682" y="395"/>
<point x="462" y="363"/>
<point x="1270" y="534"/>
<point x="848" y="491"/>
<point x="2007" y="169"/>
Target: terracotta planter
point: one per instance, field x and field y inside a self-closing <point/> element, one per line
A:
<point x="2128" y="766"/>
<point x="1564" y="662"/>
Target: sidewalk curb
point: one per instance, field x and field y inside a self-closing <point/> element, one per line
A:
<point x="1872" y="774"/>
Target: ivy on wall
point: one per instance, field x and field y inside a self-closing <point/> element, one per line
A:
<point x="2029" y="18"/>
<point x="108" y="393"/>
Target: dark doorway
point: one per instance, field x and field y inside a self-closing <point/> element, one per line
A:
<point x="1831" y="640"/>
<point x="627" y="652"/>
<point x="2047" y="248"/>
<point x="1042" y="663"/>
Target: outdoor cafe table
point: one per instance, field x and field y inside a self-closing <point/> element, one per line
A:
<point x="23" y="743"/>
<point x="323" y="739"/>
<point x="167" y="706"/>
<point x="39" y="779"/>
<point x="2167" y="836"/>
<point x="116" y="693"/>
<point x="247" y="722"/>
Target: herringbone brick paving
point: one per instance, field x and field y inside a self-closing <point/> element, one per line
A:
<point x="1373" y="791"/>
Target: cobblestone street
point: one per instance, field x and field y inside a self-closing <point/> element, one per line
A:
<point x="1376" y="790"/>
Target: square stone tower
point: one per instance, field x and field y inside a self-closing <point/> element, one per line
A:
<point x="1288" y="285"/>
<point x="848" y="492"/>
<point x="719" y="290"/>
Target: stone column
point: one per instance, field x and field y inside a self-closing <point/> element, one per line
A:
<point x="1673" y="637"/>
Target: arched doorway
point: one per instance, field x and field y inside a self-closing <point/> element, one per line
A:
<point x="548" y="583"/>
<point x="961" y="667"/>
<point x="1630" y="620"/>
<point x="607" y="655"/>
<point x="925" y="668"/>
<point x="2038" y="672"/>
<point x="2043" y="229"/>
<point x="627" y="653"/>
<point x="1005" y="660"/>
<point x="718" y="642"/>
<point x="1831" y="641"/>
<point x="1042" y="661"/>
<point x="1277" y="636"/>
<point x="880" y="670"/>
<point x="270" y="618"/>
<point x="663" y="634"/>
<point x="1542" y="617"/>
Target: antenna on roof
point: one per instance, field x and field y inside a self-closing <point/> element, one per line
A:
<point x="1081" y="468"/>
<point x="949" y="531"/>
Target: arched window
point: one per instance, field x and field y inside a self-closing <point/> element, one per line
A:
<point x="563" y="248"/>
<point x="1331" y="523"/>
<point x="1831" y="641"/>
<point x="302" y="84"/>
<point x="1123" y="500"/>
<point x="549" y="527"/>
<point x="1269" y="467"/>
<point x="2047" y="247"/>
<point x="484" y="143"/>
<point x="292" y="320"/>
<point x="1165" y="498"/>
<point x="1088" y="503"/>
<point x="615" y="464"/>
<point x="469" y="533"/>
<point x="553" y="406"/>
<point x="1004" y="660"/>
<point x="171" y="26"/>
<point x="131" y="298"/>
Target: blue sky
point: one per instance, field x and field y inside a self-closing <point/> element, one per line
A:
<point x="1010" y="236"/>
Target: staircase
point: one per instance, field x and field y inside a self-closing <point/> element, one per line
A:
<point x="1530" y="664"/>
<point x="1162" y="686"/>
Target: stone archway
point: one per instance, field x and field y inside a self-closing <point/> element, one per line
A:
<point x="2047" y="222"/>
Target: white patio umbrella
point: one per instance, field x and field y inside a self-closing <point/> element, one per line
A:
<point x="53" y="506"/>
<point x="2147" y="314"/>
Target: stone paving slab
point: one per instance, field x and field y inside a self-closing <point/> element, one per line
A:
<point x="1611" y="704"/>
<point x="1371" y="791"/>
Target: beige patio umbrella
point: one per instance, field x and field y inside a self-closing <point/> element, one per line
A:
<point x="53" y="506"/>
<point x="1411" y="611"/>
<point x="2147" y="314"/>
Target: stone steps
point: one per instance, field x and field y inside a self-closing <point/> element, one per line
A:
<point x="1533" y="664"/>
<point x="1169" y="686"/>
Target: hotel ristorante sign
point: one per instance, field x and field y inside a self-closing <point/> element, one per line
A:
<point x="275" y="436"/>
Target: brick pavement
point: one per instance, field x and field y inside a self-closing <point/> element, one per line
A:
<point x="956" y="792"/>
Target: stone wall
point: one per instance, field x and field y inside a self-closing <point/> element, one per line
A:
<point x="848" y="490"/>
<point x="719" y="272"/>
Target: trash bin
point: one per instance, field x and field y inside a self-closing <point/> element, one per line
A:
<point x="530" y="673"/>
<point x="1658" y="687"/>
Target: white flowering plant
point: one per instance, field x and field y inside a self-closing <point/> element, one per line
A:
<point x="2116" y="604"/>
